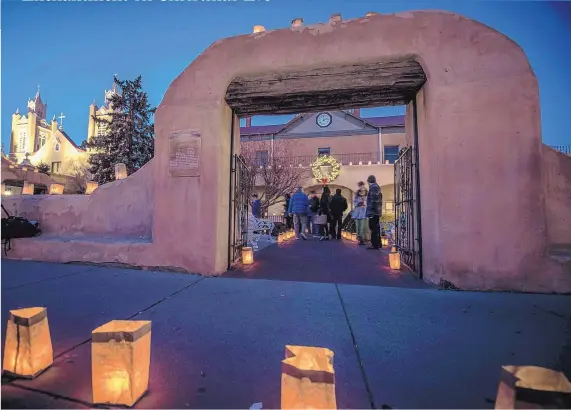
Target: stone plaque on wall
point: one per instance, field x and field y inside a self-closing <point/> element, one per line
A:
<point x="184" y="153"/>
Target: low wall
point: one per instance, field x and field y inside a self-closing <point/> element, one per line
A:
<point x="122" y="209"/>
<point x="557" y="186"/>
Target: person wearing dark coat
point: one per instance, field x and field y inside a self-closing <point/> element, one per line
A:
<point x="337" y="206"/>
<point x="325" y="209"/>
<point x="287" y="216"/>
<point x="374" y="206"/>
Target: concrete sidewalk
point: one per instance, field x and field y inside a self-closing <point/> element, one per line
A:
<point x="218" y="342"/>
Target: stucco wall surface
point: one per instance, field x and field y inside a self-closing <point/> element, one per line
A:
<point x="557" y="174"/>
<point x="120" y="209"/>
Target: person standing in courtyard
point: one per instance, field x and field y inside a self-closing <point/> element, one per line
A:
<point x="298" y="205"/>
<point x="325" y="209"/>
<point x="312" y="212"/>
<point x="338" y="206"/>
<point x="360" y="211"/>
<point x="287" y="215"/>
<point x="256" y="206"/>
<point x="374" y="202"/>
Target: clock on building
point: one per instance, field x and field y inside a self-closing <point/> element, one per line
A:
<point x="323" y="119"/>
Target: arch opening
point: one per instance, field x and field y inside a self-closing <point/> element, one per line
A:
<point x="388" y="82"/>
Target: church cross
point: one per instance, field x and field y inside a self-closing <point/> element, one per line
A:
<point x="61" y="117"/>
<point x="38" y="89"/>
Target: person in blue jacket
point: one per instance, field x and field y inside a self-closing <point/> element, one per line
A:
<point x="256" y="206"/>
<point x="298" y="205"/>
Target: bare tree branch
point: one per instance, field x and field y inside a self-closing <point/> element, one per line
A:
<point x="272" y="169"/>
<point x="78" y="175"/>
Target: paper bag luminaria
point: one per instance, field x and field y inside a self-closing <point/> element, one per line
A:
<point x="28" y="345"/>
<point x="120" y="361"/>
<point x="308" y="378"/>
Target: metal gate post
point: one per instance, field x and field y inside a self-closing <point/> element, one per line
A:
<point x="417" y="187"/>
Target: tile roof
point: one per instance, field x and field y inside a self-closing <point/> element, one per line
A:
<point x="261" y="129"/>
<point x="391" y="121"/>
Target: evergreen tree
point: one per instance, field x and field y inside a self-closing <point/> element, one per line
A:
<point x="43" y="168"/>
<point x="130" y="133"/>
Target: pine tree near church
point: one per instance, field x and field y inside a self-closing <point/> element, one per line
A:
<point x="130" y="133"/>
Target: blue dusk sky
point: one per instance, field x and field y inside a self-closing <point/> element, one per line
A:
<point x="72" y="49"/>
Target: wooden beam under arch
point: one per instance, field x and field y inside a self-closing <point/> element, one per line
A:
<point x="354" y="86"/>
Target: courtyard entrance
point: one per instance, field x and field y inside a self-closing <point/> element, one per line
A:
<point x="395" y="82"/>
<point x="471" y="112"/>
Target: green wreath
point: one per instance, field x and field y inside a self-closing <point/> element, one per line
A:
<point x="326" y="160"/>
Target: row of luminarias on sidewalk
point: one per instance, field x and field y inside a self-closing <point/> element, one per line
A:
<point x="57" y="189"/>
<point x="121" y="360"/>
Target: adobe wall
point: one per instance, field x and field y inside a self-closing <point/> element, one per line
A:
<point x="120" y="209"/>
<point x="480" y="93"/>
<point x="557" y="175"/>
<point x="32" y="177"/>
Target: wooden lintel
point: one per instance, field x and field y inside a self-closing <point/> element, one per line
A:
<point x="355" y="86"/>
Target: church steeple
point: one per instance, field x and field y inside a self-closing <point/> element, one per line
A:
<point x="37" y="106"/>
<point x="110" y="93"/>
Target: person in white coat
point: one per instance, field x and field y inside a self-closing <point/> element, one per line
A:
<point x="360" y="211"/>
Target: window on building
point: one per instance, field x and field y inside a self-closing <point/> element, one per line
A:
<point x="262" y="158"/>
<point x="22" y="141"/>
<point x="56" y="167"/>
<point x="323" y="151"/>
<point x="102" y="129"/>
<point x="391" y="153"/>
<point x="57" y="146"/>
<point x="389" y="206"/>
<point x="41" y="141"/>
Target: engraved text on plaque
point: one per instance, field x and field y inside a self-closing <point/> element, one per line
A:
<point x="184" y="153"/>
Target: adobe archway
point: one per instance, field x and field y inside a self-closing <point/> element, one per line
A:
<point x="483" y="207"/>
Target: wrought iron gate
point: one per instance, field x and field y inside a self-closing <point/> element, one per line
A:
<point x="240" y="204"/>
<point x="406" y="215"/>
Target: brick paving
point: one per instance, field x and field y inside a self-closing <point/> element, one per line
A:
<point x="341" y="262"/>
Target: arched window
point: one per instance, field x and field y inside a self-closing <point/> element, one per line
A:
<point x="41" y="140"/>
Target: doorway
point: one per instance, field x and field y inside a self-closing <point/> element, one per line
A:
<point x="396" y="83"/>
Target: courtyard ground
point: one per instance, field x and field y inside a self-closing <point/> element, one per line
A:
<point x="341" y="262"/>
<point x="218" y="342"/>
